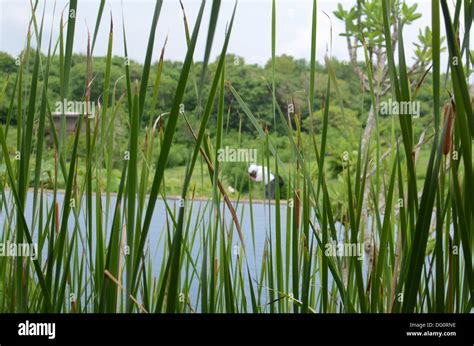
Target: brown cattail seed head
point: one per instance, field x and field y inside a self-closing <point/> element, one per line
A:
<point x="449" y="114"/>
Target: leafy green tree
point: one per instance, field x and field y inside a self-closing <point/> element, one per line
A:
<point x="364" y="26"/>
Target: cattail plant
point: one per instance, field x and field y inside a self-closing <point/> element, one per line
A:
<point x="404" y="225"/>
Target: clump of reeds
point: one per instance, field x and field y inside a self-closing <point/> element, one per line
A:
<point x="97" y="258"/>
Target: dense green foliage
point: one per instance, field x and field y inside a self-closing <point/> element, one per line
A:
<point x="252" y="83"/>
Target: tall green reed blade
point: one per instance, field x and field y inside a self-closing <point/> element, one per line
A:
<point x="278" y="235"/>
<point x="41" y="122"/>
<point x="192" y="73"/>
<point x="166" y="145"/>
<point x="436" y="44"/>
<point x="464" y="121"/>
<point x="23" y="178"/>
<point x="148" y="56"/>
<point x="273" y="59"/>
<point x="461" y="229"/>
<point x="68" y="204"/>
<point x="269" y="235"/>
<point x="324" y="133"/>
<point x="176" y="245"/>
<point x="216" y="4"/>
<point x="406" y="123"/>
<point x="401" y="94"/>
<point x="459" y="77"/>
<point x="438" y="252"/>
<point x="71" y="24"/>
<point x="384" y="237"/>
<point x="354" y="224"/>
<point x="307" y="253"/>
<point x="420" y="238"/>
<point x="127" y="71"/>
<point x="159" y="71"/>
<point x="134" y="118"/>
<point x="324" y="258"/>
<point x="107" y="136"/>
<point x="313" y="57"/>
<point x="108" y="293"/>
<point x="220" y="119"/>
<point x="404" y="243"/>
<point x="131" y="192"/>
<point x="106" y="87"/>
<point x="296" y="250"/>
<point x="88" y="166"/>
<point x="461" y="220"/>
<point x="97" y="23"/>
<point x="70" y="200"/>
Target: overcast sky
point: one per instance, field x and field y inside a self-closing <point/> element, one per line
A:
<point x="251" y="36"/>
